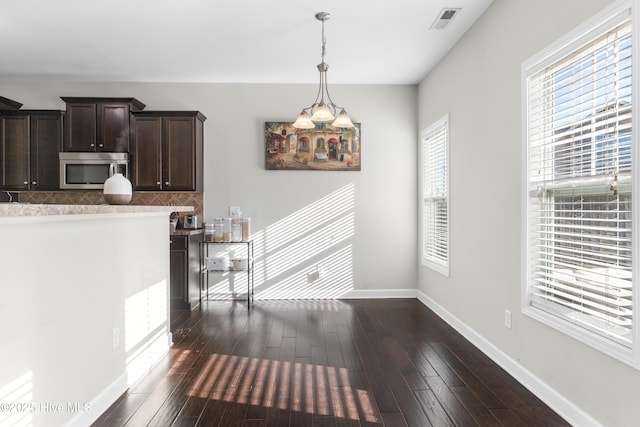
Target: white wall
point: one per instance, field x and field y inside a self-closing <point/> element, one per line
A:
<point x="357" y="227"/>
<point x="478" y="84"/>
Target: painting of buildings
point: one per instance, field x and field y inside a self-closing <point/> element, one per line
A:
<point x="323" y="148"/>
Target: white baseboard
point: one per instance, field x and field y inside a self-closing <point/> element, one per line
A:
<point x="564" y="407"/>
<point x="107" y="397"/>
<point x="101" y="403"/>
<point x="380" y="294"/>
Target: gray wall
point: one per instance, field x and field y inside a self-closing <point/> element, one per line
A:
<point x="479" y="85"/>
<point x="357" y="228"/>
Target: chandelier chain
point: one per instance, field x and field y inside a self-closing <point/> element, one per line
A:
<point x="324" y="42"/>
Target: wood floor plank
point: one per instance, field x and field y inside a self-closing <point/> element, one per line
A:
<point x="333" y="349"/>
<point x="173" y="405"/>
<point x="261" y="389"/>
<point x="350" y="354"/>
<point x="526" y="405"/>
<point x="185" y="422"/>
<point x="202" y="387"/>
<point x="152" y="404"/>
<point x="121" y="410"/>
<point x="508" y="418"/>
<point x="324" y="363"/>
<point x="435" y="412"/>
<point x="394" y="419"/>
<point x="275" y="334"/>
<point x="213" y="411"/>
<point x="279" y="413"/>
<point x="254" y="423"/>
<point x="302" y="392"/>
<point x="396" y="363"/>
<point x="488" y="398"/>
<point x="454" y="408"/>
<point x="481" y="413"/>
<point x="441" y="366"/>
<point x="358" y="402"/>
<point x="372" y="368"/>
<point x="511" y="399"/>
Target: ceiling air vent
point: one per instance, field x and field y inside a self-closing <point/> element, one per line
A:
<point x="444" y="17"/>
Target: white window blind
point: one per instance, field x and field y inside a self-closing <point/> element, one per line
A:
<point x="579" y="201"/>
<point x="435" y="186"/>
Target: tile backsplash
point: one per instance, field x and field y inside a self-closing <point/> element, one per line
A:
<point x="144" y="198"/>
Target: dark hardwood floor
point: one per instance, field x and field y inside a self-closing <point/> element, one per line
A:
<point x="324" y="363"/>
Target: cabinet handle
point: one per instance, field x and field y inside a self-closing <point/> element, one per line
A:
<point x="92" y="145"/>
<point x="33" y="183"/>
<point x="158" y="183"/>
<point x="166" y="183"/>
<point x="26" y="183"/>
<point x="100" y="145"/>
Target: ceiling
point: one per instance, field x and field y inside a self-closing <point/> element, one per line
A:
<point x="227" y="41"/>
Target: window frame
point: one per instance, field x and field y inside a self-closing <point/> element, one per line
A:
<point x="439" y="265"/>
<point x="607" y="19"/>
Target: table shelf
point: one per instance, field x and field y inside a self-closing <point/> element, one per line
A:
<point x="204" y="271"/>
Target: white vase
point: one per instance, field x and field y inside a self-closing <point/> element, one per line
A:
<point x="117" y="190"/>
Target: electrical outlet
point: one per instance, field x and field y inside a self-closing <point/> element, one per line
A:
<point x="507" y="319"/>
<point x="115" y="337"/>
<point x="314" y="276"/>
<point x="234" y="211"/>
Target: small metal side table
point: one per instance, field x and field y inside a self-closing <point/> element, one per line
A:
<point x="204" y="270"/>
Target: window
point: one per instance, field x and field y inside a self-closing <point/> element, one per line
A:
<point x="435" y="193"/>
<point x="579" y="213"/>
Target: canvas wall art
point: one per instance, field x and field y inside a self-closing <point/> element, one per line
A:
<point x="323" y="148"/>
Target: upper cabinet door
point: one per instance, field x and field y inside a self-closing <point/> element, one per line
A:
<point x="81" y="127"/>
<point x="14" y="145"/>
<point x="46" y="142"/>
<point x="146" y="153"/>
<point x="179" y="154"/>
<point x="114" y="120"/>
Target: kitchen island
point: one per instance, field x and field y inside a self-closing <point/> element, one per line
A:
<point x="83" y="307"/>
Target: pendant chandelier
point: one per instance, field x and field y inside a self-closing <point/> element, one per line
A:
<point x="323" y="109"/>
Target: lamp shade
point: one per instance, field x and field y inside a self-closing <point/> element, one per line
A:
<point x="303" y="122"/>
<point x="342" y="120"/>
<point x="322" y="114"/>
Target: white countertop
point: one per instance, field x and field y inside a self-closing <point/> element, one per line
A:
<point x="30" y="210"/>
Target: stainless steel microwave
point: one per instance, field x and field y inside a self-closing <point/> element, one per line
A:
<point x="89" y="171"/>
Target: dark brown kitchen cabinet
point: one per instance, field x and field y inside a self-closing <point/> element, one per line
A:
<point x="166" y="152"/>
<point x="99" y="124"/>
<point x="184" y="265"/>
<point x="30" y="141"/>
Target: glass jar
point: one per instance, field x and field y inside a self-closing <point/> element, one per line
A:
<point x="236" y="232"/>
<point x="246" y="228"/>
<point x="209" y="232"/>
<point x="227" y="236"/>
<point x="218" y="232"/>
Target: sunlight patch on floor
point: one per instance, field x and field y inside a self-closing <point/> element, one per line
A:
<point x="313" y="389"/>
